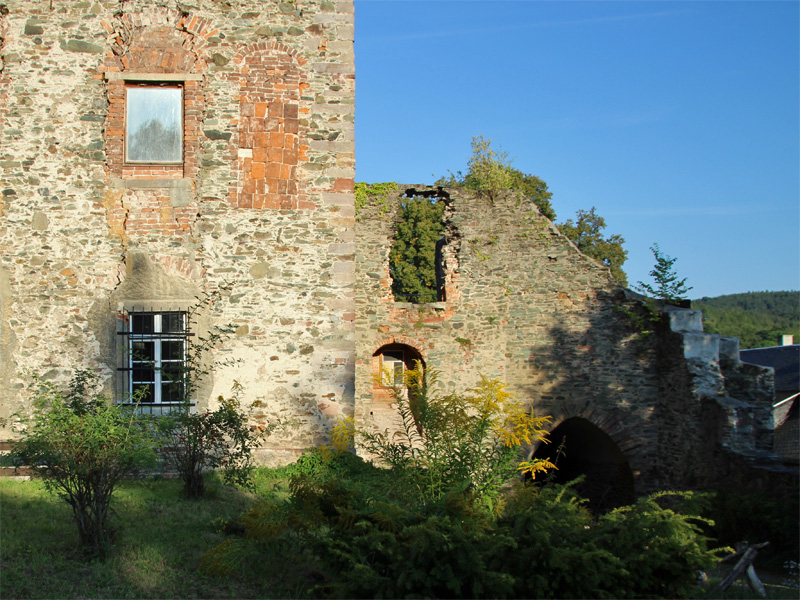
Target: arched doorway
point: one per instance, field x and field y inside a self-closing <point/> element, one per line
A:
<point x="389" y="364"/>
<point x="578" y="447"/>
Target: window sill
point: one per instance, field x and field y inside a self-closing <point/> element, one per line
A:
<point x="181" y="183"/>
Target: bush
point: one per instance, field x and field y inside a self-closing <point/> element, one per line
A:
<point x="83" y="447"/>
<point x="442" y="521"/>
<point x="220" y="439"/>
<point x="357" y="543"/>
<point x="637" y="551"/>
<point x="457" y="443"/>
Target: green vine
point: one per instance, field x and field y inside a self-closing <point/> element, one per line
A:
<point x="373" y="194"/>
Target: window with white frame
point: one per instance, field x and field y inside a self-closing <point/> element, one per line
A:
<point x="156" y="356"/>
<point x="153" y="123"/>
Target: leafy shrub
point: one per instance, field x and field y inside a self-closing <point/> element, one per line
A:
<point x="219" y="439"/>
<point x="83" y="447"/>
<point x="466" y="443"/>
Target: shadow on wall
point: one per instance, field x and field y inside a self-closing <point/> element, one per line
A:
<point x="599" y="383"/>
<point x="579" y="448"/>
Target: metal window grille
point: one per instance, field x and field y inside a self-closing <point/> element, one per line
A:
<point x="155" y="364"/>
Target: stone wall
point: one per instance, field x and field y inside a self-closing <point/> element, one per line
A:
<point x="260" y="210"/>
<point x="258" y="215"/>
<point x="522" y="304"/>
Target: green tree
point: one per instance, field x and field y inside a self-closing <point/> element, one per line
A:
<point x="666" y="285"/>
<point x="83" y="447"/>
<point x="490" y="171"/>
<point x="587" y="234"/>
<point x="412" y="259"/>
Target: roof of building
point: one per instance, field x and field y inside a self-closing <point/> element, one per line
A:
<point x="784" y="359"/>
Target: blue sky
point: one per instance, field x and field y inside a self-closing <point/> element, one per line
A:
<point x="679" y="121"/>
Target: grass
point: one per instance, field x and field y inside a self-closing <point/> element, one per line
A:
<point x="160" y="538"/>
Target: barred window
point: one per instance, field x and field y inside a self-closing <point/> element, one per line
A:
<point x="156" y="362"/>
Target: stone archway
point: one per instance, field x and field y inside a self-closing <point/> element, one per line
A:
<point x="579" y="447"/>
<point x="390" y="361"/>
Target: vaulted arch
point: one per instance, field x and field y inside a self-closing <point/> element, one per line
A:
<point x="578" y="447"/>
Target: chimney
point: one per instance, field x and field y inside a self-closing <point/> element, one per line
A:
<point x="786" y="340"/>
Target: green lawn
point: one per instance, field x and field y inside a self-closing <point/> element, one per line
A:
<point x="160" y="538"/>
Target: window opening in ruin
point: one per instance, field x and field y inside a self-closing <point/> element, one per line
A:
<point x="415" y="256"/>
<point x="154" y="123"/>
<point x="156" y="359"/>
<point x="394" y="366"/>
<point x="390" y="363"/>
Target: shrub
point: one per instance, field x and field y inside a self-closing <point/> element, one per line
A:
<point x="464" y="443"/>
<point x="639" y="551"/>
<point x="361" y="544"/>
<point x="219" y="439"/>
<point x="83" y="447"/>
<point x="552" y="533"/>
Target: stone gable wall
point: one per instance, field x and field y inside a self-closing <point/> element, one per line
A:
<point x="522" y="304"/>
<point x="261" y="210"/>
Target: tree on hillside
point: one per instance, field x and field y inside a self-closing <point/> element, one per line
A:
<point x="587" y="234"/>
<point x="412" y="259"/>
<point x="758" y="319"/>
<point x="490" y="171"/>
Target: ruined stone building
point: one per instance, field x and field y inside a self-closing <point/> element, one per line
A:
<point x="154" y="152"/>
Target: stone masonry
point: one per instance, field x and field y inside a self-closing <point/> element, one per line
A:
<point x="260" y="209"/>
<point x="258" y="215"/>
<point x="522" y="304"/>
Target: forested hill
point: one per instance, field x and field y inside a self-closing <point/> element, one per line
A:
<point x="758" y="319"/>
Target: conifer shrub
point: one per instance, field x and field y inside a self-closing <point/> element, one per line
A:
<point x="643" y="550"/>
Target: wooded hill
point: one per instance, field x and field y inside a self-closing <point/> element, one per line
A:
<point x="758" y="319"/>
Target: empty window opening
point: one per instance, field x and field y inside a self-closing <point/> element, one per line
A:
<point x="156" y="358"/>
<point x="394" y="366"/>
<point x="415" y="257"/>
<point x="389" y="366"/>
<point x="153" y="124"/>
<point x="578" y="447"/>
